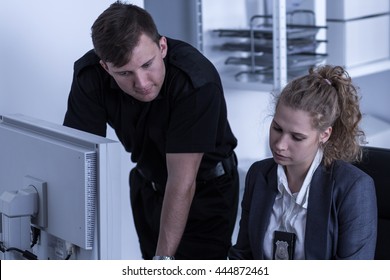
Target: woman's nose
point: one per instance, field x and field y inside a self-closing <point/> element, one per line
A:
<point x="281" y="143"/>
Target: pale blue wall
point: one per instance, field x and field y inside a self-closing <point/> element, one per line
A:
<point x="40" y="40"/>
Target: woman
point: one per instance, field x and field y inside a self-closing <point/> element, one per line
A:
<point x="309" y="201"/>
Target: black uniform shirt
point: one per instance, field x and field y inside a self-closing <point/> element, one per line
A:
<point x="188" y="116"/>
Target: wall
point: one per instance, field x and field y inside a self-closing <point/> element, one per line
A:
<point x="375" y="91"/>
<point x="40" y="40"/>
<point x="183" y="20"/>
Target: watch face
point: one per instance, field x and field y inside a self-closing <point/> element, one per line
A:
<point x="163" y="258"/>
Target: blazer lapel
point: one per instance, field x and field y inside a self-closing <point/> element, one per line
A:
<point x="265" y="192"/>
<point x="318" y="215"/>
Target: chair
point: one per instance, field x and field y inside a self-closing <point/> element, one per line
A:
<point x="376" y="162"/>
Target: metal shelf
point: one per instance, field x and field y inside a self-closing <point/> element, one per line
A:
<point x="272" y="48"/>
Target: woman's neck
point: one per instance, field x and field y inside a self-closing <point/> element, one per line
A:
<point x="295" y="177"/>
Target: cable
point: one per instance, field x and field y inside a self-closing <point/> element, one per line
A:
<point x="35" y="233"/>
<point x="14" y="249"/>
<point x="26" y="254"/>
<point x="70" y="248"/>
<point x="2" y="247"/>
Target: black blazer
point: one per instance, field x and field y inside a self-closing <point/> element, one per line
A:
<point x="341" y="215"/>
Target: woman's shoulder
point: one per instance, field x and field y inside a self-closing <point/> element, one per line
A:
<point x="347" y="172"/>
<point x="264" y="166"/>
<point x="346" y="168"/>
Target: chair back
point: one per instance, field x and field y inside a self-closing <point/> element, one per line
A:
<point x="376" y="163"/>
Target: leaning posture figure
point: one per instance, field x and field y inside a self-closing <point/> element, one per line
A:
<point x="165" y="101"/>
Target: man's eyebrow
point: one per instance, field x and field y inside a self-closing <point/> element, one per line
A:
<point x="149" y="61"/>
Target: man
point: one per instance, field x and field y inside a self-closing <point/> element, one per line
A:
<point x="165" y="101"/>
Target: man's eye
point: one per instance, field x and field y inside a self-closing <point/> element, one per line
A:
<point x="278" y="129"/>
<point x="147" y="65"/>
<point x="125" y="73"/>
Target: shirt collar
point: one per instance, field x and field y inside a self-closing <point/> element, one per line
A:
<point x="303" y="194"/>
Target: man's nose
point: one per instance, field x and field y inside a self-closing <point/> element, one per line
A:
<point x="140" y="80"/>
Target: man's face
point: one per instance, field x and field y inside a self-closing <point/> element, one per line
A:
<point x="142" y="77"/>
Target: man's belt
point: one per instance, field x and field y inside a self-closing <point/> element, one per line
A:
<point x="223" y="167"/>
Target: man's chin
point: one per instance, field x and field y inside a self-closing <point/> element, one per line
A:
<point x="146" y="97"/>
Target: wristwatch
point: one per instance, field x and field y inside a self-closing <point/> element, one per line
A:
<point x="163" y="258"/>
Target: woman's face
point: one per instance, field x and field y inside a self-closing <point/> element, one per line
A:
<point x="293" y="139"/>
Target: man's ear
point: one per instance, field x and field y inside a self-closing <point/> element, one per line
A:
<point x="163" y="46"/>
<point x="104" y="65"/>
<point x="325" y="135"/>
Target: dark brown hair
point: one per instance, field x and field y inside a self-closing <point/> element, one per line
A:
<point x="116" y="32"/>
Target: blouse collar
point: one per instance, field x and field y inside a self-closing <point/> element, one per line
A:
<point x="302" y="196"/>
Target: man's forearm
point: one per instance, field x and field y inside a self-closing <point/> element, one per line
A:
<point x="174" y="214"/>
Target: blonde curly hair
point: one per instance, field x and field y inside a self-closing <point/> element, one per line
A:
<point x="328" y="94"/>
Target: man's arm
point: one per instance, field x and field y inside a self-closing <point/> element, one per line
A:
<point x="179" y="192"/>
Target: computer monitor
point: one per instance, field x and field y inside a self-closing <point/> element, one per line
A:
<point x="59" y="192"/>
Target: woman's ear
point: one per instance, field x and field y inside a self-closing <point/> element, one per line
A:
<point x="325" y="135"/>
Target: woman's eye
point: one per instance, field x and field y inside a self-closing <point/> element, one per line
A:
<point x="297" y="138"/>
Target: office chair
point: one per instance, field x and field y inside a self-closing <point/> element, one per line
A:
<point x="376" y="164"/>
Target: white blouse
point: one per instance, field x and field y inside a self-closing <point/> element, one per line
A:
<point x="289" y="211"/>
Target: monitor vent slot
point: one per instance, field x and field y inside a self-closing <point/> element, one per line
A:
<point x="90" y="196"/>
